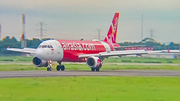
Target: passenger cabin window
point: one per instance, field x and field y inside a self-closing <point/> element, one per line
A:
<point x="45" y="46"/>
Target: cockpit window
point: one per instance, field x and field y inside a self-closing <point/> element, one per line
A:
<point x="45" y="46"/>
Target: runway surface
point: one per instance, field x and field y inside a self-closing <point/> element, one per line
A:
<point x="18" y="74"/>
<point x="30" y="63"/>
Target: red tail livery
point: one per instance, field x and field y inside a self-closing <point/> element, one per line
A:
<point x="112" y="33"/>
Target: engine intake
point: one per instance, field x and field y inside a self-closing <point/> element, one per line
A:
<point x="39" y="63"/>
<point x="94" y="62"/>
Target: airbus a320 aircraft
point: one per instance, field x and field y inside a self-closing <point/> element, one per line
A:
<point x="91" y="52"/>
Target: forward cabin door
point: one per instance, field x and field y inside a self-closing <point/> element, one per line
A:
<point x="56" y="53"/>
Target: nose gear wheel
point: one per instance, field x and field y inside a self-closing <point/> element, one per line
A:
<point x="49" y="68"/>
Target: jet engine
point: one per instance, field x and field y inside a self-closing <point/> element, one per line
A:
<point x="94" y="62"/>
<point x="39" y="63"/>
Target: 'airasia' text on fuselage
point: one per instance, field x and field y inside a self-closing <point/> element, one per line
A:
<point x="78" y="46"/>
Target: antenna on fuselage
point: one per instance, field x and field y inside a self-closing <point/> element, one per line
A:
<point x="81" y="39"/>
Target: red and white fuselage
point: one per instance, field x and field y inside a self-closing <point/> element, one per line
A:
<point x="69" y="50"/>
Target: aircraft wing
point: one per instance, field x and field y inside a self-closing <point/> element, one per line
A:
<point x="171" y="51"/>
<point x="24" y="50"/>
<point x="118" y="53"/>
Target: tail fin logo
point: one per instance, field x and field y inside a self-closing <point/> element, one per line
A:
<point x="115" y="29"/>
<point x="111" y="36"/>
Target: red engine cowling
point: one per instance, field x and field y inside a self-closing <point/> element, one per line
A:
<point x="39" y="63"/>
<point x="94" y="62"/>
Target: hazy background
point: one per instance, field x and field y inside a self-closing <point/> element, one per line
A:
<point x="75" y="19"/>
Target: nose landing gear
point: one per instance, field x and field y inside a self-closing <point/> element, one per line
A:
<point x="49" y="68"/>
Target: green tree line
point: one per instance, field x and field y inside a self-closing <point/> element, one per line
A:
<point x="154" y="45"/>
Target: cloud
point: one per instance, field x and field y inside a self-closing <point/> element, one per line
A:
<point x="162" y="5"/>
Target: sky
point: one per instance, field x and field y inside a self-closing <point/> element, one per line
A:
<point x="76" y="19"/>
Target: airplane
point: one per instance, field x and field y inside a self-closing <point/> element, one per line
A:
<point x="91" y="52"/>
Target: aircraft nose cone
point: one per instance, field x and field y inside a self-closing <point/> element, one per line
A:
<point x="40" y="54"/>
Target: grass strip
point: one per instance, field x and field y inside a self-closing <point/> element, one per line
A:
<point x="90" y="89"/>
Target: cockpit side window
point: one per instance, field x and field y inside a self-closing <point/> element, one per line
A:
<point x="44" y="46"/>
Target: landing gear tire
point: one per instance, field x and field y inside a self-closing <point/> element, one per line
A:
<point x="58" y="67"/>
<point x="49" y="68"/>
<point x="97" y="69"/>
<point x="92" y="69"/>
<point x="62" y="67"/>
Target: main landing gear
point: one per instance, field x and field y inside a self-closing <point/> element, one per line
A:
<point x="93" y="69"/>
<point x="60" y="67"/>
<point x="96" y="68"/>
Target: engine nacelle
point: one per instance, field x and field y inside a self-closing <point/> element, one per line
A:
<point x="94" y="62"/>
<point x="39" y="63"/>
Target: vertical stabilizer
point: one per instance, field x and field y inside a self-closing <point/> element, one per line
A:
<point x="112" y="33"/>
